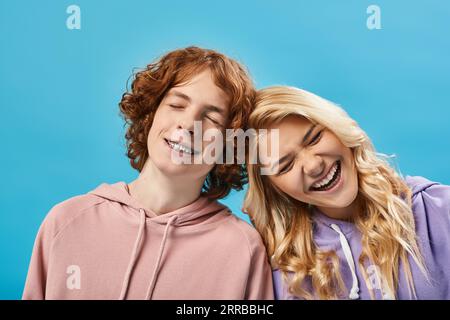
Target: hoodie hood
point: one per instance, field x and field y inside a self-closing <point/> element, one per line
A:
<point x="187" y="215"/>
<point x="418" y="184"/>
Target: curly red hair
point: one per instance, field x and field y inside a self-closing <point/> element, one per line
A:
<point x="138" y="107"/>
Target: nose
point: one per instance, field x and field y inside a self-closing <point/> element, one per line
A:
<point x="186" y="128"/>
<point x="313" y="165"/>
<point x="187" y="122"/>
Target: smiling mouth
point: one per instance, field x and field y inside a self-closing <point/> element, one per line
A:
<point x="330" y="180"/>
<point x="179" y="147"/>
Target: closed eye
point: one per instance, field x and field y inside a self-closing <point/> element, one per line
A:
<point x="213" y="120"/>
<point x="211" y="117"/>
<point x="316" y="138"/>
<point x="176" y="106"/>
<point x="285" y="168"/>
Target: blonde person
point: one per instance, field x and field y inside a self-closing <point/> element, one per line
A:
<point x="337" y="220"/>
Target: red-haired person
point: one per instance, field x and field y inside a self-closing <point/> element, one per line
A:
<point x="164" y="235"/>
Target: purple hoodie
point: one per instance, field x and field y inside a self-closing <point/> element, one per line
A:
<point x="431" y="209"/>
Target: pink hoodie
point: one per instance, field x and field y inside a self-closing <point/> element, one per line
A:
<point x="104" y="245"/>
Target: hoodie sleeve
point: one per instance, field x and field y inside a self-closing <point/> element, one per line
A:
<point x="259" y="284"/>
<point x="431" y="208"/>
<point x="56" y="220"/>
<point x="280" y="290"/>
<point x="37" y="271"/>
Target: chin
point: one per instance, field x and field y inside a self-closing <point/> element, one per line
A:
<point x="346" y="200"/>
<point x="171" y="169"/>
<point x="166" y="166"/>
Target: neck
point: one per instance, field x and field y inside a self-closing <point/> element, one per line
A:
<point x="346" y="213"/>
<point x="162" y="194"/>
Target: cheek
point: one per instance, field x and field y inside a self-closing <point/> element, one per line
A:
<point x="154" y="136"/>
<point x="210" y="134"/>
<point x="160" y="121"/>
<point x="151" y="132"/>
<point x="350" y="161"/>
<point x="289" y="184"/>
<point x="332" y="145"/>
<point x="352" y="172"/>
<point x="162" y="116"/>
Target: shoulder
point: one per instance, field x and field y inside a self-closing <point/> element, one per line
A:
<point x="420" y="184"/>
<point x="431" y="197"/>
<point x="431" y="209"/>
<point x="242" y="232"/>
<point x="245" y="228"/>
<point x="63" y="213"/>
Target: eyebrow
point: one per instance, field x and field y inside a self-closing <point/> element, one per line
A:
<point x="209" y="107"/>
<point x="212" y="108"/>
<point x="180" y="95"/>
<point x="286" y="157"/>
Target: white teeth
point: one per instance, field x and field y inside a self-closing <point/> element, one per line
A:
<point x="178" y="147"/>
<point x="327" y="179"/>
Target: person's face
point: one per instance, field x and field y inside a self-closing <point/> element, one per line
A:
<point x="197" y="100"/>
<point x="314" y="167"/>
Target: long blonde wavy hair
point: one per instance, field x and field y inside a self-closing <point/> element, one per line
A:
<point x="386" y="221"/>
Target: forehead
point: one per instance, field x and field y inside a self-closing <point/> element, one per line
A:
<point x="292" y="128"/>
<point x="201" y="88"/>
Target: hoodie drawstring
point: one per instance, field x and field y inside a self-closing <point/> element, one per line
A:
<point x="134" y="254"/>
<point x="348" y="256"/>
<point x="136" y="250"/>
<point x="151" y="287"/>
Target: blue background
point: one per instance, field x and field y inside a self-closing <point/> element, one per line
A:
<point x="62" y="134"/>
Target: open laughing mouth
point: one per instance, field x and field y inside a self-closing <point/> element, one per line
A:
<point x="330" y="180"/>
<point x="179" y="147"/>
